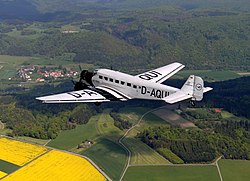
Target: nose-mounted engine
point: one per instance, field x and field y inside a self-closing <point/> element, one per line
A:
<point x="85" y="80"/>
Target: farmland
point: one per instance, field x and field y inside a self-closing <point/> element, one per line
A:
<point x="109" y="156"/>
<point x="32" y="140"/>
<point x="19" y="153"/>
<point x="33" y="162"/>
<point x="173" y="118"/>
<point x="2" y="174"/>
<point x="172" y="173"/>
<point x="105" y="150"/>
<point x="57" y="165"/>
<point x="235" y="170"/>
<point x="69" y="139"/>
<point x="8" y="167"/>
<point x="143" y="154"/>
<point x="106" y="127"/>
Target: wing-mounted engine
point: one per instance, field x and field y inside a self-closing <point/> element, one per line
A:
<point x="85" y="80"/>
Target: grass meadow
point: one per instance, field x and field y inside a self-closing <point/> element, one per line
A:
<point x="109" y="156"/>
<point x="172" y="173"/>
<point x="235" y="170"/>
<point x="69" y="139"/>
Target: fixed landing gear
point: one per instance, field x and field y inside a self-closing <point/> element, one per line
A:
<point x="97" y="103"/>
<point x="192" y="103"/>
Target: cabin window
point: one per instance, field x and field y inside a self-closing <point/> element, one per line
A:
<point x="129" y="84"/>
<point x="111" y="80"/>
<point x="106" y="78"/>
<point x="134" y="86"/>
<point x="117" y="81"/>
<point x="100" y="77"/>
<point x="122" y="82"/>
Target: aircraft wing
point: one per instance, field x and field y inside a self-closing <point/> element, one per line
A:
<point x="84" y="95"/>
<point x="161" y="74"/>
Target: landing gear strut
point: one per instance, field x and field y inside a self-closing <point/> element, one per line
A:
<point x="192" y="103"/>
<point x="97" y="103"/>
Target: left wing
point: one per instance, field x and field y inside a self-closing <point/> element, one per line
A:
<point x="84" y="95"/>
<point x="161" y="74"/>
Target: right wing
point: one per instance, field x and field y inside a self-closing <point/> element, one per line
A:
<point x="84" y="95"/>
<point x="161" y="74"/>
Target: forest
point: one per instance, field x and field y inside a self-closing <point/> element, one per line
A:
<point x="150" y="37"/>
<point x="193" y="145"/>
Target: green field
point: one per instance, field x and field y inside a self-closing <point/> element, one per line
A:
<point x="9" y="65"/>
<point x="208" y="75"/>
<point x="7" y="167"/>
<point x="106" y="127"/>
<point x="172" y="173"/>
<point x="69" y="139"/>
<point x="235" y="170"/>
<point x="226" y="114"/>
<point x="109" y="156"/>
<point x="142" y="153"/>
<point x="153" y="120"/>
<point x="32" y="140"/>
<point x="5" y="131"/>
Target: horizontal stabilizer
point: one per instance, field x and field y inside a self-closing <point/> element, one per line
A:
<point x="193" y="88"/>
<point x="176" y="97"/>
<point x="206" y="89"/>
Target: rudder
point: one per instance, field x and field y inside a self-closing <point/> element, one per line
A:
<point x="194" y="87"/>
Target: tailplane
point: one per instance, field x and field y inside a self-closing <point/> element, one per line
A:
<point x="193" y="88"/>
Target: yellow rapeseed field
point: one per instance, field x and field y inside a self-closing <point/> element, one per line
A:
<point x="2" y="174"/>
<point x="57" y="165"/>
<point x="17" y="152"/>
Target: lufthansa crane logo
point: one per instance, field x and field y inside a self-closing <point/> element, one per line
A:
<point x="198" y="87"/>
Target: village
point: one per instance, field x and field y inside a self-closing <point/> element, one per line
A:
<point x="42" y="74"/>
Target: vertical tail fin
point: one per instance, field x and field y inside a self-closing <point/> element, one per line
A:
<point x="194" y="87"/>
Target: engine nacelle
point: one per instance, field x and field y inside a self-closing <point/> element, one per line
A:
<point x="87" y="76"/>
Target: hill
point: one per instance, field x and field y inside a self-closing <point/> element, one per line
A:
<point x="202" y="35"/>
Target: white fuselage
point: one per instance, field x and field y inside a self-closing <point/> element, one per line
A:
<point x="130" y="86"/>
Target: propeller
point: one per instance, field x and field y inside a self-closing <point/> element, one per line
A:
<point x="84" y="81"/>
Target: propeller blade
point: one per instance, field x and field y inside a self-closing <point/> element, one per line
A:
<point x="80" y="67"/>
<point x="74" y="82"/>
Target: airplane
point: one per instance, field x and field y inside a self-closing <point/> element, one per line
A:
<point x="104" y="85"/>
